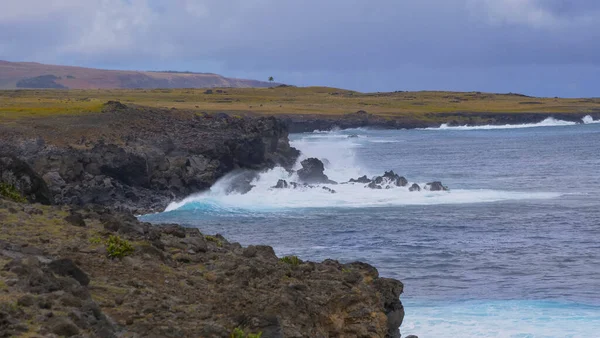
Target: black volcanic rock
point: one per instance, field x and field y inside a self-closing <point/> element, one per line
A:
<point x="387" y="181"/>
<point x="362" y="179"/>
<point x="329" y="190"/>
<point x="281" y="184"/>
<point x="436" y="186"/>
<point x="18" y="174"/>
<point x="414" y="187"/>
<point x="396" y="179"/>
<point x="140" y="159"/>
<point x="312" y="172"/>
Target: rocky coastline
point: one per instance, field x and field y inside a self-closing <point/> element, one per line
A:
<point x="140" y="159"/>
<point x="75" y="262"/>
<point x="361" y="119"/>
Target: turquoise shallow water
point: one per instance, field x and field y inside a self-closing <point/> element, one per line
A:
<point x="513" y="250"/>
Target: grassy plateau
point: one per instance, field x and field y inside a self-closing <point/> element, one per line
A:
<point x="281" y="101"/>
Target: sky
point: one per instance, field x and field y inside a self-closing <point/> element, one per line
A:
<point x="536" y="47"/>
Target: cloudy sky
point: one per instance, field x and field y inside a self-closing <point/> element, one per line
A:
<point x="537" y="47"/>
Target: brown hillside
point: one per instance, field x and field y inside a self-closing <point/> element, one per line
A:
<point x="36" y="75"/>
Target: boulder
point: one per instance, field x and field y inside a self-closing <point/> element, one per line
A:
<point x="396" y="179"/>
<point x="362" y="179"/>
<point x="66" y="267"/>
<point x="312" y="172"/>
<point x="436" y="186"/>
<point x="387" y="181"/>
<point x="75" y="219"/>
<point x="374" y="185"/>
<point x="18" y="174"/>
<point x="241" y="182"/>
<point x="329" y="190"/>
<point x="414" y="187"/>
<point x="281" y="184"/>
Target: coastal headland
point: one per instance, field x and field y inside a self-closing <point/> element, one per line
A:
<point x="77" y="165"/>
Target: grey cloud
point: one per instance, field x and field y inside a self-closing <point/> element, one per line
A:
<point x="432" y="42"/>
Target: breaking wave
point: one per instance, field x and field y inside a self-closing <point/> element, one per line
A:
<point x="548" y="122"/>
<point x="589" y="120"/>
<point x="338" y="152"/>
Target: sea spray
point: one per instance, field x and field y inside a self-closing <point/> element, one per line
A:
<point x="588" y="119"/>
<point x="338" y="152"/>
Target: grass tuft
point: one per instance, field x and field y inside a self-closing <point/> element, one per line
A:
<point x="291" y="260"/>
<point x="215" y="240"/>
<point x="10" y="192"/>
<point x="239" y="333"/>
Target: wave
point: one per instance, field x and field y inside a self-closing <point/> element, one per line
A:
<point x="341" y="163"/>
<point x="548" y="122"/>
<point x="589" y="120"/>
<point x="264" y="199"/>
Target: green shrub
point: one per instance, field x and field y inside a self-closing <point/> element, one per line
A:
<point x="118" y="247"/>
<point x="239" y="333"/>
<point x="291" y="260"/>
<point x="215" y="240"/>
<point x="10" y="192"/>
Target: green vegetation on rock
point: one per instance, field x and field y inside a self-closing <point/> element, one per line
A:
<point x="239" y="333"/>
<point x="118" y="247"/>
<point x="10" y="192"/>
<point x="291" y="260"/>
<point x="215" y="240"/>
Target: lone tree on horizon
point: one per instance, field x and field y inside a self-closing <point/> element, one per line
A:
<point x="271" y="79"/>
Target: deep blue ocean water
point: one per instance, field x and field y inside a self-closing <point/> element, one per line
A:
<point x="512" y="250"/>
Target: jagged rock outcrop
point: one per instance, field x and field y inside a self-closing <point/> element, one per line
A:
<point x="140" y="159"/>
<point x="19" y="175"/>
<point x="387" y="181"/>
<point x="312" y="172"/>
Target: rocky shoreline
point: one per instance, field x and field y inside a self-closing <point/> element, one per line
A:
<point x="363" y="119"/>
<point x="94" y="272"/>
<point x="75" y="262"/>
<point x="140" y="159"/>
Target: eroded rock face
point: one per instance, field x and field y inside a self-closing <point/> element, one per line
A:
<point x="140" y="159"/>
<point x="312" y="172"/>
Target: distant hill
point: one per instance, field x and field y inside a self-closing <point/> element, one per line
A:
<point x="36" y="75"/>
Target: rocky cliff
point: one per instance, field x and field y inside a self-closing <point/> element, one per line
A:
<point x="83" y="266"/>
<point x="93" y="272"/>
<point x="140" y="159"/>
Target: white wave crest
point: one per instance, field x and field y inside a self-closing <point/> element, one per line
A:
<point x="589" y="120"/>
<point x="548" y="122"/>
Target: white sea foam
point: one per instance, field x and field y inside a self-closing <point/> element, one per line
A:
<point x="338" y="155"/>
<point x="589" y="120"/>
<point x="548" y="122"/>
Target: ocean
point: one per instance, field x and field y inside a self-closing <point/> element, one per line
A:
<point x="511" y="250"/>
